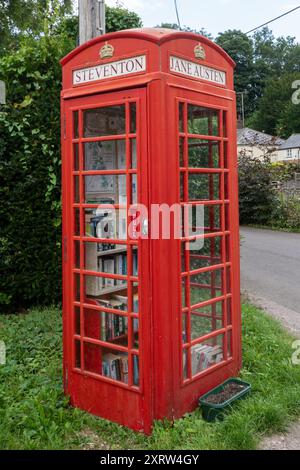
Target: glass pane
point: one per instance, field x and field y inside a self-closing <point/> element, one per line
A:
<point x="228" y="280"/>
<point x="208" y="255"/>
<point x="225" y="155"/>
<point x="183" y="292"/>
<point x="105" y="189"/>
<point x="193" y="221"/>
<point x="227" y="217"/>
<point x="132" y="110"/>
<point x="226" y="186"/>
<point x="104" y="121"/>
<point x="184" y="267"/>
<point x="203" y="154"/>
<point x="133" y="156"/>
<point x="106" y="362"/>
<point x="107" y="327"/>
<point x="203" y="121"/>
<point x="229" y="312"/>
<point x="106" y="260"/>
<point x="77" y="254"/>
<point x="135" y="297"/>
<point x="135" y="261"/>
<point x="77" y="287"/>
<point x="212" y="218"/>
<point x="184" y="328"/>
<point x="205" y="286"/>
<point x="181" y="151"/>
<point x="106" y="291"/>
<point x="135" y="370"/>
<point x="104" y="156"/>
<point x="229" y="344"/>
<point x="224" y="123"/>
<point x="185" y="363"/>
<point x="134" y="189"/>
<point x="75" y="125"/>
<point x="207" y="354"/>
<point x="202" y="219"/>
<point x="205" y="320"/>
<point x="204" y="187"/>
<point x="76" y="189"/>
<point x="77" y="222"/>
<point x="135" y="335"/>
<point x="106" y="223"/>
<point x="182" y="186"/>
<point x="181" y="117"/>
<point x="77" y="328"/>
<point x="77" y="354"/>
<point x="76" y="157"/>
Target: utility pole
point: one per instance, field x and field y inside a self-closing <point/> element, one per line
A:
<point x="242" y="93"/>
<point x="91" y="19"/>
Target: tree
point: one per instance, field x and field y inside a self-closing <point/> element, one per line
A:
<point x="275" y="106"/>
<point x="29" y="18"/>
<point x="30" y="210"/>
<point x="118" y="18"/>
<point x="289" y="120"/>
<point x="240" y="48"/>
<point x="187" y="29"/>
<point x="257" y="196"/>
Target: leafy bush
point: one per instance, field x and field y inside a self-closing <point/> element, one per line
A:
<point x="258" y="199"/>
<point x="30" y="211"/>
<point x="287" y="214"/>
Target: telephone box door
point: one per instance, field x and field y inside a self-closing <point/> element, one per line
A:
<point x="208" y="323"/>
<point x="106" y="263"/>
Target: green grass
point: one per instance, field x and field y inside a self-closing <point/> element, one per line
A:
<point x="34" y="414"/>
<point x="274" y="228"/>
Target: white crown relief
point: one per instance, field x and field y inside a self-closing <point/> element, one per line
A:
<point x="199" y="52"/>
<point x="107" y="51"/>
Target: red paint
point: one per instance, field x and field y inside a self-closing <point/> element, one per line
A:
<point x="163" y="390"/>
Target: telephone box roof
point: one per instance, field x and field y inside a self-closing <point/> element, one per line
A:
<point x="156" y="35"/>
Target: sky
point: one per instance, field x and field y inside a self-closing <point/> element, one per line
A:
<point x="219" y="15"/>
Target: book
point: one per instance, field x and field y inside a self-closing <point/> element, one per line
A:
<point x="135" y="264"/>
<point x="109" y="268"/>
<point x="136" y="370"/>
<point x="115" y="366"/>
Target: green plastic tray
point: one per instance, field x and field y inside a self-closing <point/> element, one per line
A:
<point x="211" y="411"/>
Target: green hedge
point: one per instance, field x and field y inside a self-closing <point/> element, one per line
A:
<point x="30" y="209"/>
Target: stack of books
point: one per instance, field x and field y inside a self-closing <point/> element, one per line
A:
<point x="115" y="366"/>
<point x="205" y="356"/>
<point x="113" y="326"/>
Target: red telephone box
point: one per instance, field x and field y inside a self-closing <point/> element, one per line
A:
<point x="151" y="322"/>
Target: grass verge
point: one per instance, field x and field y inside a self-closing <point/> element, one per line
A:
<point x="34" y="413"/>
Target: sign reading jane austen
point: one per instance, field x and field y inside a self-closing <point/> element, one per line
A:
<point x="118" y="68"/>
<point x="194" y="70"/>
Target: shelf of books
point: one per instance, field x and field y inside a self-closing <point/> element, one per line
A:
<point x="111" y="336"/>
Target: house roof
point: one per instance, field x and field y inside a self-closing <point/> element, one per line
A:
<point x="291" y="143"/>
<point x="247" y="136"/>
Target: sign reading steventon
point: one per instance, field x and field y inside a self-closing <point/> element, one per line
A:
<point x="194" y="70"/>
<point x="118" y="68"/>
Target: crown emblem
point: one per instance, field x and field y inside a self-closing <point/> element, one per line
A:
<point x="107" y="51"/>
<point x="200" y="52"/>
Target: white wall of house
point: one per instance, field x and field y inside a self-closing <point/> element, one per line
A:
<point x="253" y="151"/>
<point x="289" y="155"/>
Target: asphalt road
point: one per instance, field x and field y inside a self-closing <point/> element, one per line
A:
<point x="270" y="266"/>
